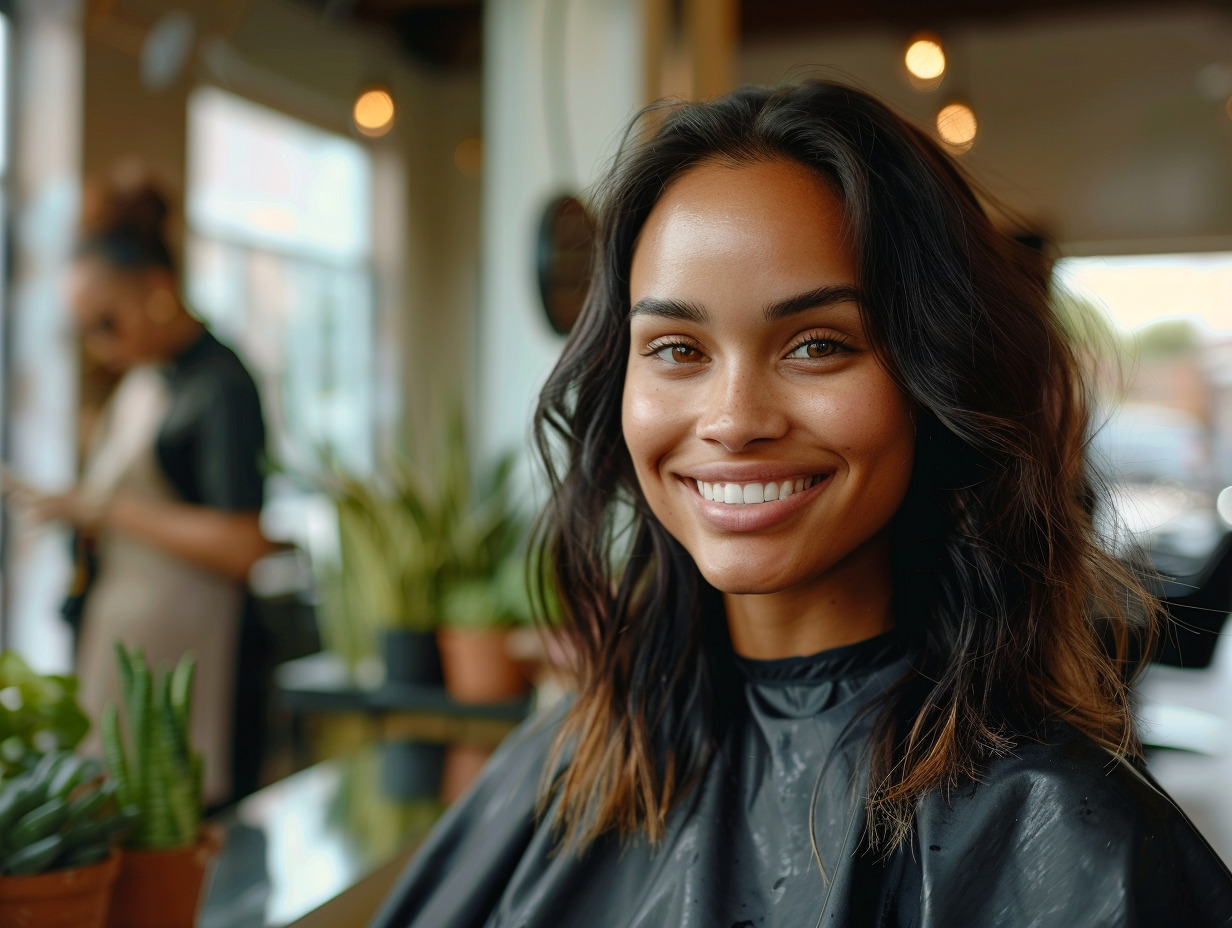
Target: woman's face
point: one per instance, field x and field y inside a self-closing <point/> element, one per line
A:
<point x="765" y="434"/>
<point x="112" y="310"/>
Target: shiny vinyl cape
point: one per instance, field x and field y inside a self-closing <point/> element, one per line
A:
<point x="1056" y="834"/>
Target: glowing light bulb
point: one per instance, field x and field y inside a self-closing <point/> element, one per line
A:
<point x="925" y="58"/>
<point x="957" y="126"/>
<point x="374" y="112"/>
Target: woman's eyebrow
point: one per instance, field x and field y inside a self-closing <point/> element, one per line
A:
<point x="813" y="299"/>
<point x="686" y="311"/>
<point x="669" y="309"/>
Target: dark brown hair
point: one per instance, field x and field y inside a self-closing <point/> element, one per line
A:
<point x="124" y="221"/>
<point x="1010" y="611"/>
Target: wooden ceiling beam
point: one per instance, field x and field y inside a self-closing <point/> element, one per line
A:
<point x="761" y="18"/>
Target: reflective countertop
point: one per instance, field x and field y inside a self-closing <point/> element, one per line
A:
<point x="302" y="842"/>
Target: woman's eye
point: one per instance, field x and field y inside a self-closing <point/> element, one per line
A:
<point x="816" y="348"/>
<point x="678" y="354"/>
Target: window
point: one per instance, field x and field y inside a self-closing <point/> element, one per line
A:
<point x="278" y="260"/>
<point x="1165" y="415"/>
<point x="4" y="313"/>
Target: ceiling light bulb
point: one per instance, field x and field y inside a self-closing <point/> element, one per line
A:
<point x="957" y="126"/>
<point x="374" y="112"/>
<point x="925" y="59"/>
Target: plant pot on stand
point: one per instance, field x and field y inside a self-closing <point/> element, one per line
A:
<point x="478" y="670"/>
<point x="411" y="656"/>
<point x="477" y="666"/>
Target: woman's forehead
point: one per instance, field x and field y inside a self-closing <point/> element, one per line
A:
<point x="774" y="226"/>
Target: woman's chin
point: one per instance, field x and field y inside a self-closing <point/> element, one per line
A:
<point x="745" y="579"/>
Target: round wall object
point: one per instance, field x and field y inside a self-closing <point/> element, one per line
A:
<point x="566" y="236"/>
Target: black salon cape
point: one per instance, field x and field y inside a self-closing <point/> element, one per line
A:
<point x="1058" y="834"/>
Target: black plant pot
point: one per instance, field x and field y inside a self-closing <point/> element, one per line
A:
<point x="411" y="770"/>
<point x="412" y="657"/>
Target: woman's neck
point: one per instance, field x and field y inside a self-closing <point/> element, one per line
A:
<point x="849" y="603"/>
<point x="179" y="334"/>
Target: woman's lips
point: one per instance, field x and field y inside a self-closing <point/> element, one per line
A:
<point x="750" y="509"/>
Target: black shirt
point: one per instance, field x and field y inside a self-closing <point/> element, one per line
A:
<point x="213" y="436"/>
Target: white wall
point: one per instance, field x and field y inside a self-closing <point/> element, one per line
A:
<point x="602" y="74"/>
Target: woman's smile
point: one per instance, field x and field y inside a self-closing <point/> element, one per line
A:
<point x="765" y="434"/>
<point x="738" y="503"/>
<point x="735" y="493"/>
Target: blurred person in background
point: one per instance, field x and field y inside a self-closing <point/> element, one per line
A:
<point x="166" y="513"/>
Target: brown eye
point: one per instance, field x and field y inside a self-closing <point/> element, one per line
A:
<point x="816" y="349"/>
<point x="678" y="353"/>
<point x="683" y="354"/>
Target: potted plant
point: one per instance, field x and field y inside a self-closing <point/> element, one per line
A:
<point x="38" y="713"/>
<point x="431" y="556"/>
<point x="478" y="614"/>
<point x="58" y="827"/>
<point x="384" y="581"/>
<point x="470" y="542"/>
<point x="157" y="773"/>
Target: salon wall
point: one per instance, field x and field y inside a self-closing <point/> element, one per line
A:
<point x="1108" y="132"/>
<point x="558" y="90"/>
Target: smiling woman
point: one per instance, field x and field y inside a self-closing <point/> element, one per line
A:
<point x="768" y="380"/>
<point x="848" y="652"/>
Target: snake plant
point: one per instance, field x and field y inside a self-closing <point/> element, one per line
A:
<point x="423" y="545"/>
<point x="158" y="773"/>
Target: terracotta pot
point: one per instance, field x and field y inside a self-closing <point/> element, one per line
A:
<point x="478" y="667"/>
<point x="162" y="888"/>
<point x="75" y="898"/>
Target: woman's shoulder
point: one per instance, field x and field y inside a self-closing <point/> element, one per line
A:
<point x="1060" y="829"/>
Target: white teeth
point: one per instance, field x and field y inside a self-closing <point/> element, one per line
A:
<point x="750" y="493"/>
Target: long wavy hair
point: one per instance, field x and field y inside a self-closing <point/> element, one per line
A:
<point x="1010" y="611"/>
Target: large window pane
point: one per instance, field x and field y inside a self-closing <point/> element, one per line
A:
<point x="278" y="261"/>
<point x="264" y="179"/>
<point x="1165" y="410"/>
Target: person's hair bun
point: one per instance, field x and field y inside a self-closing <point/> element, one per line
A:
<point x="124" y="219"/>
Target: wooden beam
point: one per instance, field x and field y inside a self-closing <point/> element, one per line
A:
<point x="691" y="47"/>
<point x="764" y="18"/>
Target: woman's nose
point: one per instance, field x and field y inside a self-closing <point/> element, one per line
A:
<point x="741" y="408"/>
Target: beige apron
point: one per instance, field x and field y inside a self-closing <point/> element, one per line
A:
<point x="148" y="598"/>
